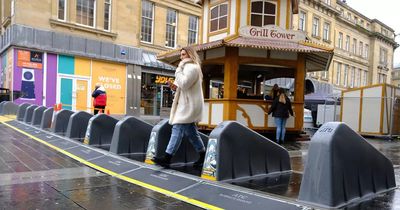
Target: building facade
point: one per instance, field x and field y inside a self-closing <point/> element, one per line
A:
<point x="56" y="51"/>
<point x="396" y="76"/>
<point x="363" y="47"/>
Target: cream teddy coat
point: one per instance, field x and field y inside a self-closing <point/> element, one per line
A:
<point x="187" y="106"/>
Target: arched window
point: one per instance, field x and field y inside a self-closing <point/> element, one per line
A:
<point x="263" y="12"/>
<point x="219" y="17"/>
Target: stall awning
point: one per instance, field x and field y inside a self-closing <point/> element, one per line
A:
<point x="318" y="57"/>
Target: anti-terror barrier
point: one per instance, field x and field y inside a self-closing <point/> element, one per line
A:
<point x="9" y="108"/>
<point x="29" y="113"/>
<point x="342" y="167"/>
<point x="37" y="116"/>
<point x="235" y="151"/>
<point x="77" y="125"/>
<point x="46" y="118"/>
<point x="60" y="122"/>
<point x="1" y="107"/>
<point x="100" y="131"/>
<point x="158" y="142"/>
<point x="131" y="138"/>
<point x="21" y="111"/>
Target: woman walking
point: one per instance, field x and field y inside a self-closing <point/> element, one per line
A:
<point x="186" y="108"/>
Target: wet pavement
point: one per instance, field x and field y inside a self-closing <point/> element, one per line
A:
<point x="34" y="176"/>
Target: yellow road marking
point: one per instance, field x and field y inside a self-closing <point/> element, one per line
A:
<point x="111" y="173"/>
<point x="6" y="118"/>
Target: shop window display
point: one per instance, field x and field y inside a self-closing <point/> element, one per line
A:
<point x="156" y="96"/>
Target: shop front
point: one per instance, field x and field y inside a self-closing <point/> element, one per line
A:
<point x="156" y="96"/>
<point x="46" y="79"/>
<point x="6" y="71"/>
<point x="76" y="80"/>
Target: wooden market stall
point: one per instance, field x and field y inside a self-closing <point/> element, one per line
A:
<point x="372" y="110"/>
<point x="237" y="61"/>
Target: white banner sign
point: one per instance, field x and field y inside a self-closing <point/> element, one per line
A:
<point x="272" y="32"/>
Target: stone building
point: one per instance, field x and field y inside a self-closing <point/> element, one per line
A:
<point x="363" y="47"/>
<point x="396" y="76"/>
<point x="65" y="47"/>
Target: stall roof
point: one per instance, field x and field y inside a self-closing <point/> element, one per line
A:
<point x="318" y="56"/>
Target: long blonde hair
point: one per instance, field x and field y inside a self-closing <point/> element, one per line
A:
<point x="195" y="58"/>
<point x="192" y="54"/>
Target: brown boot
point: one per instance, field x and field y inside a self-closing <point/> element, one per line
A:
<point x="199" y="163"/>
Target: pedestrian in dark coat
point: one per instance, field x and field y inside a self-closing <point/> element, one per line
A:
<point x="280" y="109"/>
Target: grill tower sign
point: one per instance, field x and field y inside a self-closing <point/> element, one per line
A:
<point x="272" y="32"/>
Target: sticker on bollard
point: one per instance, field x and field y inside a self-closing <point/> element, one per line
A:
<point x="160" y="179"/>
<point x="233" y="199"/>
<point x="84" y="152"/>
<point x="151" y="149"/>
<point x="114" y="164"/>
<point x="86" y="140"/>
<point x="210" y="162"/>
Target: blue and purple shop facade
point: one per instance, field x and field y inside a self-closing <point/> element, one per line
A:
<point x="44" y="79"/>
<point x="26" y="72"/>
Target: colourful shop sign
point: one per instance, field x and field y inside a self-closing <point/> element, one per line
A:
<point x="29" y="59"/>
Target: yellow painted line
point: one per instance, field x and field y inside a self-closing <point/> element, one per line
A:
<point x="149" y="161"/>
<point x="212" y="178"/>
<point x="125" y="178"/>
<point x="5" y="118"/>
<point x="13" y="117"/>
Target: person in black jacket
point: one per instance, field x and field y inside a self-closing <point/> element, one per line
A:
<point x="272" y="93"/>
<point x="280" y="109"/>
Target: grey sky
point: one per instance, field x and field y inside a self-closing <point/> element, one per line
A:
<point x="386" y="11"/>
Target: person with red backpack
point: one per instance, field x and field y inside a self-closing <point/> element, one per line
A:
<point x="99" y="99"/>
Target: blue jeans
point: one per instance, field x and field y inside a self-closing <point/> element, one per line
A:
<point x="180" y="130"/>
<point x="280" y="128"/>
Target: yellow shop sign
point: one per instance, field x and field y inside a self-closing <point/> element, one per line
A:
<point x="163" y="79"/>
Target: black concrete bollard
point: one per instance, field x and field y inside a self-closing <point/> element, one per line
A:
<point x="29" y="113"/>
<point x="343" y="167"/>
<point x="60" y="122"/>
<point x="235" y="151"/>
<point x="131" y="138"/>
<point x="77" y="125"/>
<point x="21" y="111"/>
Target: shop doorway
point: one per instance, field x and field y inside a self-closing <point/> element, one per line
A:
<point x="166" y="98"/>
<point x="74" y="93"/>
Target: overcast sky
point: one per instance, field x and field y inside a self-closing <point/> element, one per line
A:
<point x="386" y="11"/>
